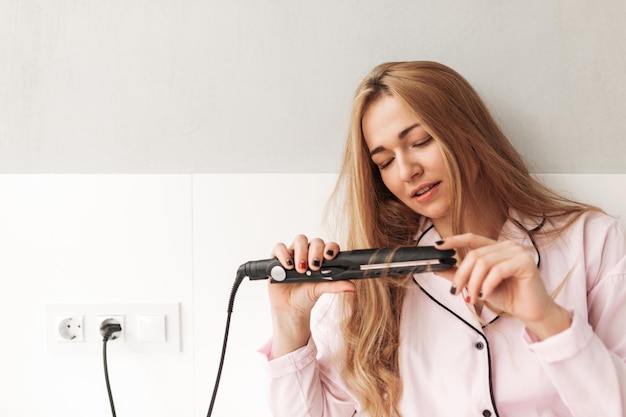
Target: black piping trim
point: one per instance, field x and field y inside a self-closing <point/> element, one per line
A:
<point x="530" y="234"/>
<point x="494" y="319"/>
<point x="493" y="400"/>
<point x="424" y="233"/>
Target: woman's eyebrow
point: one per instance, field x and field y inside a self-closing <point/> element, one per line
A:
<point x="407" y="130"/>
<point x="402" y="134"/>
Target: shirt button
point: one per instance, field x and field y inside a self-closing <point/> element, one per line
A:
<point x="480" y="346"/>
<point x="486" y="413"/>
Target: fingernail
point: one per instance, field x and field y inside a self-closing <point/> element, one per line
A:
<point x="316" y="262"/>
<point x="468" y="299"/>
<point x="330" y="252"/>
<point x="453" y="289"/>
<point x="302" y="265"/>
<point x="480" y="294"/>
<point x="289" y="262"/>
<point x="439" y="242"/>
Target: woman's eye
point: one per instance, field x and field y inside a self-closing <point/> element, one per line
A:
<point x="423" y="143"/>
<point x="385" y="164"/>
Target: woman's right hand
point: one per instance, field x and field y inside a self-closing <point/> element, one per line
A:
<point x="292" y="303"/>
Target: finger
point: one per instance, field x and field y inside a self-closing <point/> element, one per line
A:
<point x="485" y="265"/>
<point x="333" y="287"/>
<point x="331" y="250"/>
<point x="493" y="279"/>
<point x="495" y="263"/>
<point x="316" y="253"/>
<point x="474" y="266"/>
<point x="300" y="247"/>
<point x="466" y="240"/>
<point x="283" y="254"/>
<point x="519" y="266"/>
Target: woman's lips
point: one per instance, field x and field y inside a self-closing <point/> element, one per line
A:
<point x="424" y="193"/>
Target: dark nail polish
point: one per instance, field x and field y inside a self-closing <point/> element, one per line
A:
<point x="480" y="294"/>
<point x="316" y="262"/>
<point x="439" y="242"/>
<point x="330" y="252"/>
<point x="289" y="262"/>
<point x="453" y="289"/>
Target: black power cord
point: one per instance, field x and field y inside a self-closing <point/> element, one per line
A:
<point x="108" y="329"/>
<point x="240" y="276"/>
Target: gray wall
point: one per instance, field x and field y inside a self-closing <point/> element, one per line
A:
<point x="198" y="86"/>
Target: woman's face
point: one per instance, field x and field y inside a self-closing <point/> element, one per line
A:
<point x="410" y="161"/>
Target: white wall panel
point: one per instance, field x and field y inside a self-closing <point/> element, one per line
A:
<point x="237" y="218"/>
<point x="92" y="239"/>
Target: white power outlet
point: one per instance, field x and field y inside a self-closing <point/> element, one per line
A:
<point x="112" y="318"/>
<point x="70" y="329"/>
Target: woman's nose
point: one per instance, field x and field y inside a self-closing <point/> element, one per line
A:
<point x="408" y="168"/>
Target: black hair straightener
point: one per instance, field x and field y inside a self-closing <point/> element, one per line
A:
<point x="356" y="264"/>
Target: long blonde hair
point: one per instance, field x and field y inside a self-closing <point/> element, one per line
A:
<point x="486" y="173"/>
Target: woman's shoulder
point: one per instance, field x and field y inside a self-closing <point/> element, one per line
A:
<point x="593" y="231"/>
<point x="600" y="221"/>
<point x="601" y="234"/>
<point x="589" y="219"/>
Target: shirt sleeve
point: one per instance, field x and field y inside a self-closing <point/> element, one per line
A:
<point x="587" y="362"/>
<point x="306" y="382"/>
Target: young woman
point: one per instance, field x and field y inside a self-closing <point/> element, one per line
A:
<point x="531" y="323"/>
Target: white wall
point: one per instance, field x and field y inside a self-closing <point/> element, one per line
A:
<point x="265" y="86"/>
<point x="159" y="238"/>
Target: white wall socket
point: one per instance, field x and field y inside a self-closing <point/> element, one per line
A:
<point x="119" y="336"/>
<point x="70" y="329"/>
<point x="65" y="321"/>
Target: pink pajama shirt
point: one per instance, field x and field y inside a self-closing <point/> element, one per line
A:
<point x="451" y="365"/>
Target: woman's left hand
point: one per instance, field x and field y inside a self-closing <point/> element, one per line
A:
<point x="506" y="275"/>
